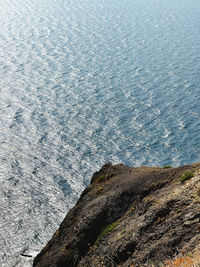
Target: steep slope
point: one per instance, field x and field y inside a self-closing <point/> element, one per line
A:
<point x="129" y="217"/>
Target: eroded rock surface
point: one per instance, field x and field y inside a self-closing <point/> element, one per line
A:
<point x="129" y="217"/>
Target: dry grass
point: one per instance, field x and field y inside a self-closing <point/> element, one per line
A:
<point x="181" y="262"/>
<point x="185" y="261"/>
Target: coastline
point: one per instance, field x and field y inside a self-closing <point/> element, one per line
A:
<point x="130" y="217"/>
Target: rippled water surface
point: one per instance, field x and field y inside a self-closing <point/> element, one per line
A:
<point x="84" y="82"/>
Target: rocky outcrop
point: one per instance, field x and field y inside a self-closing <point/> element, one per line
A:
<point x="129" y="217"/>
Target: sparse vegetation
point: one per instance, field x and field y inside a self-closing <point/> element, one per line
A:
<point x="178" y="211"/>
<point x="106" y="230"/>
<point x="186" y="176"/>
<point x="99" y="190"/>
<point x="101" y="177"/>
<point x="123" y="231"/>
<point x="104" y="177"/>
<point x="167" y="167"/>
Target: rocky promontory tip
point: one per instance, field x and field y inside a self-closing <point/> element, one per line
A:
<point x="142" y="216"/>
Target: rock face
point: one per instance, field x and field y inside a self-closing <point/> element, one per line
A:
<point x="129" y="217"/>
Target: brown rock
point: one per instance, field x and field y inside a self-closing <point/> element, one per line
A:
<point x="128" y="217"/>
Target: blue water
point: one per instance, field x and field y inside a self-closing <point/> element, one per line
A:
<point x="84" y="82"/>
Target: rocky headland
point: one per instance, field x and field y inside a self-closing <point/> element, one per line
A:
<point x="144" y="216"/>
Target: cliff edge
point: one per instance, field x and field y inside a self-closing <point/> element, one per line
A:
<point x="128" y="216"/>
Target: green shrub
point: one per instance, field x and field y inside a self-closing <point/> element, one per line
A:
<point x="99" y="190"/>
<point x="167" y="167"/>
<point x="104" y="177"/>
<point x="178" y="211"/>
<point x="186" y="176"/>
<point x="106" y="230"/>
<point x="101" y="177"/>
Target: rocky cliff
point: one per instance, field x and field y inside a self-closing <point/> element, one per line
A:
<point x="127" y="216"/>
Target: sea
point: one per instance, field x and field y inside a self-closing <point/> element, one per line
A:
<point x="82" y="83"/>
